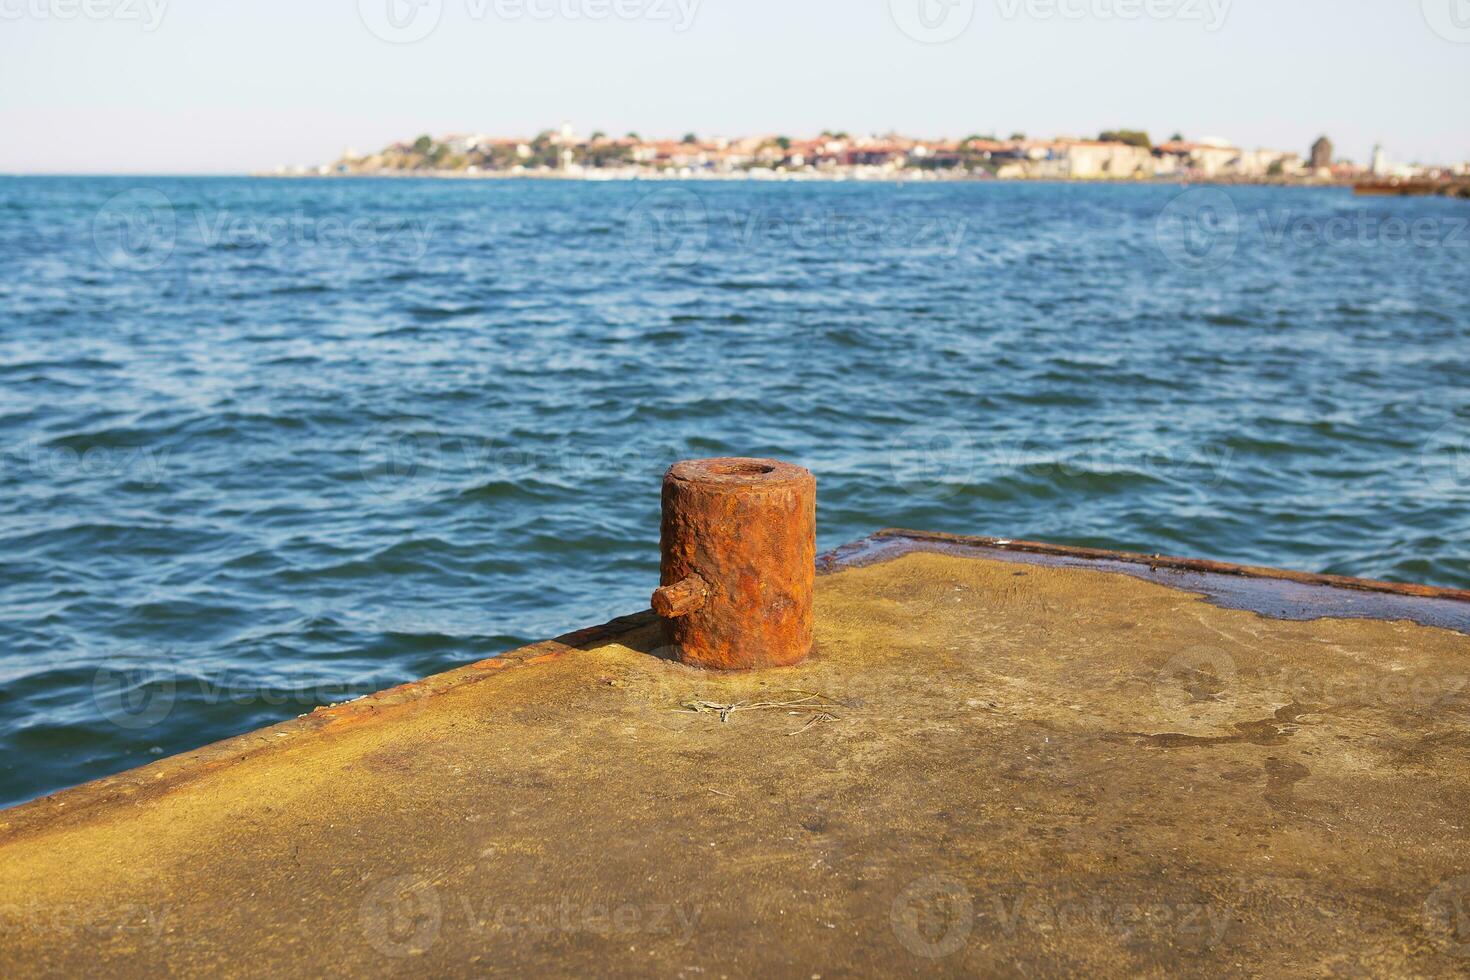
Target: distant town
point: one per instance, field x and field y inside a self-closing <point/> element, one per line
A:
<point x="1112" y="155"/>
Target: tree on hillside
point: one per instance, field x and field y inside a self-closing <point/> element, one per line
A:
<point x="690" y="138"/>
<point x="1133" y="137"/>
<point x="423" y="144"/>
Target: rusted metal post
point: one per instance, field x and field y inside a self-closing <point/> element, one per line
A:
<point x="739" y="562"/>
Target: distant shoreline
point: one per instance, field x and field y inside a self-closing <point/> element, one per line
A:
<point x="784" y="178"/>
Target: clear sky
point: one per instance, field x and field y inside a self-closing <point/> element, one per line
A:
<point x="229" y="86"/>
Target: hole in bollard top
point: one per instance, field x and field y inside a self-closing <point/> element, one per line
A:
<point x="739" y="473"/>
<point x="741" y="469"/>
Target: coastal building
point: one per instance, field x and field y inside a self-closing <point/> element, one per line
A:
<point x="1267" y="163"/>
<point x="1322" y="153"/>
<point x="1380" y="162"/>
<point x="884" y="154"/>
<point x="1095" y="160"/>
<point x="1206" y="158"/>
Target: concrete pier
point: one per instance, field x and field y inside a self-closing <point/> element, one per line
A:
<point x="1000" y="759"/>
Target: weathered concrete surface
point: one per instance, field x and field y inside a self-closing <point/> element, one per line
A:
<point x="1026" y="770"/>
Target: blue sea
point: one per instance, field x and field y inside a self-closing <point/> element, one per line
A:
<point x="267" y="445"/>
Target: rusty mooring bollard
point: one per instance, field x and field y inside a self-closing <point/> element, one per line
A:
<point x="739" y="561"/>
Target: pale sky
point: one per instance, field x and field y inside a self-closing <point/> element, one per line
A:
<point x="230" y="86"/>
